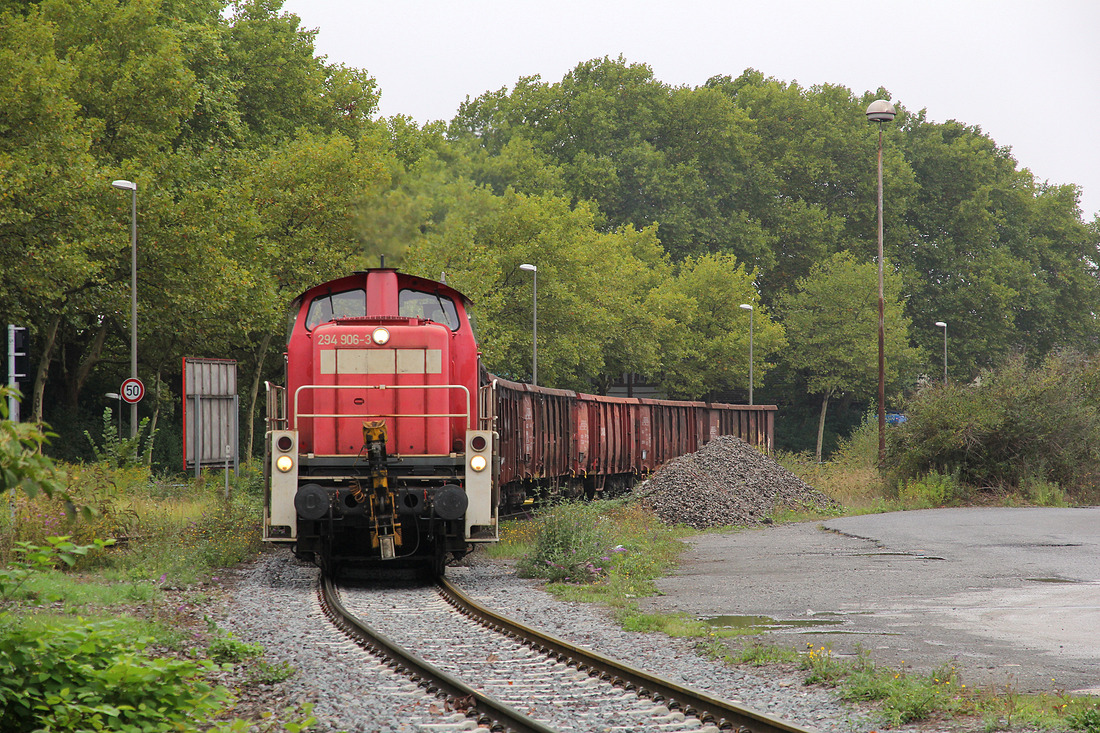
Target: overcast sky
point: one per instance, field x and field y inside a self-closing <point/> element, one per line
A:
<point x="1026" y="71"/>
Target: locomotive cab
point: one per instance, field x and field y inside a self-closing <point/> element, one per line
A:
<point x="373" y="448"/>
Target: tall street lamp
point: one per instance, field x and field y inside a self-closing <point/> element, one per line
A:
<point x="748" y="307"/>
<point x="881" y="111"/>
<point x="943" y="325"/>
<point x="132" y="188"/>
<point x="534" y="322"/>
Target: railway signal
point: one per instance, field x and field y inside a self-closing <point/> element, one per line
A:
<point x="17" y="365"/>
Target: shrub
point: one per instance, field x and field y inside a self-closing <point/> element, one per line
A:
<point x="119" y="452"/>
<point x="95" y="676"/>
<point x="1012" y="425"/>
<point x="573" y="544"/>
<point x="929" y="491"/>
<point x="22" y="465"/>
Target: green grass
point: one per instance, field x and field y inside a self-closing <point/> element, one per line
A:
<point x="112" y="637"/>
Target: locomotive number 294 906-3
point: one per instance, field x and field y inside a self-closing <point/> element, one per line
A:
<point x="342" y="339"/>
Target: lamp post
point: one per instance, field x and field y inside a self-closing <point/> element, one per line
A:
<point x="534" y="322"/>
<point x="881" y="111"/>
<point x="118" y="409"/>
<point x="943" y="325"/>
<point x="132" y="188"/>
<point x="749" y="308"/>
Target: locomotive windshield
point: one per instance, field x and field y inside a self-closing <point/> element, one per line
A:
<point x="430" y="306"/>
<point x="348" y="304"/>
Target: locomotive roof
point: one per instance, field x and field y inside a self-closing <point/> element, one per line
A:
<point x="359" y="278"/>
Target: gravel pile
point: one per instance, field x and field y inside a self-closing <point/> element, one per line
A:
<point x="727" y="482"/>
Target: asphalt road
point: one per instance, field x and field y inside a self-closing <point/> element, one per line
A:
<point x="1011" y="597"/>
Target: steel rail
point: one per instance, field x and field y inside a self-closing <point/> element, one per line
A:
<point x="721" y="713"/>
<point x="462" y="696"/>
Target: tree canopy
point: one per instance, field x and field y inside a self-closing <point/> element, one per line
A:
<point x="652" y="212"/>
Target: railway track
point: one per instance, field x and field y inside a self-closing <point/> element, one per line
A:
<point x="507" y="676"/>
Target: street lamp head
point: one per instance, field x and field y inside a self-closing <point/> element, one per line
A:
<point x="125" y="185"/>
<point x="941" y="324"/>
<point x="746" y="306"/>
<point x="529" y="268"/>
<point x="113" y="396"/>
<point x="881" y="111"/>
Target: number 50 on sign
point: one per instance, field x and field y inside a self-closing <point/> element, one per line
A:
<point x="132" y="390"/>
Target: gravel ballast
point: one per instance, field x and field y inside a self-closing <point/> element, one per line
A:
<point x="273" y="602"/>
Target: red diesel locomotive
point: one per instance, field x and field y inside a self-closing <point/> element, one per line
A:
<point x="390" y="445"/>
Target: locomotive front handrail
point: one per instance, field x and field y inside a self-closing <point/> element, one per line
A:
<point x="467" y="415"/>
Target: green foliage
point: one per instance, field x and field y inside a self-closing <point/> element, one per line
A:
<point x="119" y="452"/>
<point x="31" y="560"/>
<point x="225" y="647"/>
<point x="262" y="672"/>
<point x="929" y="491"/>
<point x="260" y="171"/>
<point x="613" y="550"/>
<point x="705" y="333"/>
<point x="96" y="676"/>
<point x="1015" y="425"/>
<point x="907" y="697"/>
<point x="574" y="544"/>
<point x="1087" y="720"/>
<point x="832" y="324"/>
<point x="22" y="465"/>
<point x="1041" y="492"/>
<point x="226" y="533"/>
<point x="822" y="668"/>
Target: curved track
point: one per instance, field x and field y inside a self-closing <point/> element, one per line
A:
<point x="500" y="716"/>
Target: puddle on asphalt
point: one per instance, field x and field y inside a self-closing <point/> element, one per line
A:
<point x="766" y="623"/>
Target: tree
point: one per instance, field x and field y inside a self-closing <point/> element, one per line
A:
<point x="590" y="290"/>
<point x="643" y="152"/>
<point x="832" y="329"/>
<point x="1008" y="263"/>
<point x="704" y="333"/>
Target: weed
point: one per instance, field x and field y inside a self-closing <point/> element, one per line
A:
<point x="75" y="675"/>
<point x="822" y="667"/>
<point x="36" y="559"/>
<point x="1042" y="492"/>
<point x="1087" y="720"/>
<point x="762" y="655"/>
<point x="119" y="452"/>
<point x="929" y="491"/>
<point x="225" y="647"/>
<point x="262" y="672"/>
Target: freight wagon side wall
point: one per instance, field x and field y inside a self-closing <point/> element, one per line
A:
<point x="548" y="434"/>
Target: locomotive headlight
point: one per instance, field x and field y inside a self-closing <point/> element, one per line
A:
<point x="380" y="336"/>
<point x="284" y="463"/>
<point x="478" y="463"/>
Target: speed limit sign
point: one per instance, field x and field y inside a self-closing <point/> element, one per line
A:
<point x="132" y="390"/>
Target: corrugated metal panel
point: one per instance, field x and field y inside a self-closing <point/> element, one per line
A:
<point x="210" y="412"/>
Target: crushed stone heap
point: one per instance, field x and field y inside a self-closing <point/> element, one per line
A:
<point x="727" y="482"/>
